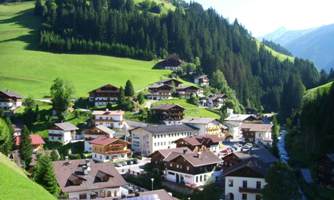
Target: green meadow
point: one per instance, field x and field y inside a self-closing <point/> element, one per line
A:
<point x="30" y="72"/>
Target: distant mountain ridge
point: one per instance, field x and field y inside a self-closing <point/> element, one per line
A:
<point x="315" y="44"/>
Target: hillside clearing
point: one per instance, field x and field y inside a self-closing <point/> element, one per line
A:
<point x="312" y="93"/>
<point x="14" y="184"/>
<point x="279" y="56"/>
<point x="30" y="72"/>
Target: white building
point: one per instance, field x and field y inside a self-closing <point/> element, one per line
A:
<point x="63" y="132"/>
<point x="85" y="179"/>
<point x="10" y="100"/>
<point x="111" y="119"/>
<point x="257" y="133"/>
<point x="205" y="126"/>
<point x="148" y="139"/>
<point x="202" y="80"/>
<point x="192" y="169"/>
<point x="93" y="133"/>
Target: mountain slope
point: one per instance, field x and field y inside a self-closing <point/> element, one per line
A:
<point x="311" y="94"/>
<point x="14" y="184"/>
<point x="29" y="71"/>
<point x="316" y="44"/>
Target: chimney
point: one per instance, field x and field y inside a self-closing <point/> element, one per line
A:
<point x="87" y="167"/>
<point x="184" y="151"/>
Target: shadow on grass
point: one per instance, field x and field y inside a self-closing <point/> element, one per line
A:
<point x="26" y="19"/>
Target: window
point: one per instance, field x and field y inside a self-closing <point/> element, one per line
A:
<point x="188" y="168"/>
<point x="196" y="179"/>
<point x="244" y="184"/>
<point x="230" y="183"/>
<point x="258" y="184"/>
<point x="200" y="178"/>
<point x="205" y="177"/>
<point x="258" y="197"/>
<point x="83" y="196"/>
<point x="244" y="197"/>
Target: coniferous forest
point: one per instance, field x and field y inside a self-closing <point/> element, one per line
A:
<point x="120" y="28"/>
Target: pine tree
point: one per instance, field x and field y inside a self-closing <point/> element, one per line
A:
<point x="140" y="98"/>
<point x="44" y="175"/>
<point x="129" y="91"/>
<point x="6" y="137"/>
<point x="25" y="148"/>
<point x="121" y="96"/>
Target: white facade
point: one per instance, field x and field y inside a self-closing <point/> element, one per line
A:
<point x="263" y="137"/>
<point x="113" y="119"/>
<point x="102" y="101"/>
<point x="195" y="180"/>
<point x="10" y="105"/>
<point x="61" y="136"/>
<point x="146" y="143"/>
<point x="106" y="158"/>
<point x="210" y="128"/>
<point x="235" y="131"/>
<point x="233" y="185"/>
<point x="93" y="194"/>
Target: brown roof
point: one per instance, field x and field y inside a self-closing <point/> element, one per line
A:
<point x="253" y="163"/>
<point x="192" y="140"/>
<point x="201" y="140"/>
<point x="69" y="172"/>
<point x="99" y="130"/>
<point x="106" y="88"/>
<point x="257" y="127"/>
<point x="166" y="152"/>
<point x="196" y="159"/>
<point x="103" y="140"/>
<point x="166" y="107"/>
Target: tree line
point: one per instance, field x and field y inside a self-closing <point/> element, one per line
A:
<point x="119" y="27"/>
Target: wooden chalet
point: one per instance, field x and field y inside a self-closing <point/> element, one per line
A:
<point x="157" y="157"/>
<point x="159" y="92"/>
<point x="168" y="112"/>
<point x="202" y="80"/>
<point x="187" y="91"/>
<point x="172" y="62"/>
<point x="10" y="100"/>
<point x="104" y="95"/>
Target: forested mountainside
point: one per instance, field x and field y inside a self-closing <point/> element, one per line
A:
<point x="276" y="47"/>
<point x="120" y="27"/>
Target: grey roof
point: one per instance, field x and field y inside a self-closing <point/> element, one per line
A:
<point x="253" y="163"/>
<point x="66" y="171"/>
<point x="158" y="129"/>
<point x="260" y="153"/>
<point x="153" y="195"/>
<point x="106" y="129"/>
<point x="66" y="126"/>
<point x="198" y="120"/>
<point x="11" y="94"/>
<point x="166" y="152"/>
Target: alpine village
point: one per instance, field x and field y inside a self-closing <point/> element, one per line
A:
<point x="156" y="100"/>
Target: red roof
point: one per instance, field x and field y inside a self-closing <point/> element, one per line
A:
<point x="35" y="140"/>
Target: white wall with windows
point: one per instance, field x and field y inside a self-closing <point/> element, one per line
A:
<point x="233" y="185"/>
<point x="195" y="180"/>
<point x="94" y="194"/>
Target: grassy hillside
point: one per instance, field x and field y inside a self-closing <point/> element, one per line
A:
<point x="276" y="54"/>
<point x="191" y="110"/>
<point x="30" y="72"/>
<point x="165" y="5"/>
<point x="14" y="184"/>
<point x="312" y="93"/>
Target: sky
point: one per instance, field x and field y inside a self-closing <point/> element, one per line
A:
<point x="265" y="16"/>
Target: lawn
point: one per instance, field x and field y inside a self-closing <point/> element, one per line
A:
<point x="166" y="5"/>
<point x="191" y="110"/>
<point x="280" y="56"/>
<point x="30" y="72"/>
<point x="312" y="93"/>
<point x="14" y="184"/>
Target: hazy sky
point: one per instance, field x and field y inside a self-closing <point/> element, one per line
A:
<point x="264" y="16"/>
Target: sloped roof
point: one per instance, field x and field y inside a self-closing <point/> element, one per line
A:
<point x="11" y="94"/>
<point x="253" y="163"/>
<point x="103" y="140"/>
<point x="66" y="126"/>
<point x="35" y="140"/>
<point x="65" y="169"/>
<point x="238" y="117"/>
<point x="105" y="88"/>
<point x="192" y="140"/>
<point x="166" y="152"/>
<point x="255" y="127"/>
<point x="158" y="129"/>
<point x="108" y="112"/>
<point x="166" y="107"/>
<point x="196" y="159"/>
<point x="201" y="120"/>
<point x="153" y="195"/>
<point x="260" y="153"/>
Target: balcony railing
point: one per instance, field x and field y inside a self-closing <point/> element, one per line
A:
<point x="249" y="190"/>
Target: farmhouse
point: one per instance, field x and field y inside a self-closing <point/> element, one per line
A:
<point x="192" y="169"/>
<point x="245" y="172"/>
<point x="63" y="132"/>
<point x="106" y="149"/>
<point x="170" y="82"/>
<point x="104" y="95"/>
<point x="187" y="91"/>
<point x="37" y="142"/>
<point x="205" y="125"/>
<point x="156" y="137"/>
<point x="84" y="179"/>
<point x="10" y="100"/>
<point x="201" y="143"/>
<point x="257" y="133"/>
<point x="213" y="101"/>
<point x="158" y="156"/>
<point x="168" y="113"/>
<point x="202" y="80"/>
<point x="94" y="132"/>
<point x="172" y="62"/>
<point x="159" y="92"/>
<point x="111" y="119"/>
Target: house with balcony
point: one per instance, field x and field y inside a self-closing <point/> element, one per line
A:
<point x="257" y="133"/>
<point x="200" y="143"/>
<point x="244" y="173"/>
<point x="94" y="132"/>
<point x="85" y="179"/>
<point x="202" y="80"/>
<point x="159" y="92"/>
<point x="168" y="113"/>
<point x="105" y="149"/>
<point x="10" y="100"/>
<point x="192" y="169"/>
<point x="63" y="132"/>
<point x="170" y="82"/>
<point x="104" y="95"/>
<point x="110" y="119"/>
<point x="187" y="91"/>
<point x="157" y="157"/>
<point x="146" y="140"/>
<point x="172" y="62"/>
